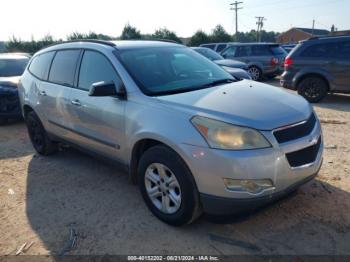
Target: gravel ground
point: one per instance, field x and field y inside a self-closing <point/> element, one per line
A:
<point x="42" y="199"/>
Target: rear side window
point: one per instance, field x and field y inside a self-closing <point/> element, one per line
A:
<point x="94" y="68"/>
<point x="63" y="67"/>
<point x="209" y="46"/>
<point x="343" y="50"/>
<point x="260" y="50"/>
<point x="220" y="48"/>
<point x="40" y="65"/>
<point x="319" y="50"/>
<point x="244" y="51"/>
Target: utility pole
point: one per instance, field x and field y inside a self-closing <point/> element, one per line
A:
<point x="235" y="7"/>
<point x="260" y="24"/>
<point x="313" y="27"/>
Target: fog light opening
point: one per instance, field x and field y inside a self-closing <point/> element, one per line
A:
<point x="254" y="186"/>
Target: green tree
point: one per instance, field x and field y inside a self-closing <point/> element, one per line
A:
<point x="164" y="33"/>
<point x="199" y="38"/>
<point x="130" y="32"/>
<point x="219" y="34"/>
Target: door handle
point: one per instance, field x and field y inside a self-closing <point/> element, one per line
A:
<point x="76" y="102"/>
<point x="42" y="93"/>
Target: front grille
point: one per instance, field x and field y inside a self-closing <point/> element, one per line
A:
<point x="297" y="131"/>
<point x="305" y="156"/>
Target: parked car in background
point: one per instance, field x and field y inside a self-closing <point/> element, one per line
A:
<point x="11" y="68"/>
<point x="319" y="66"/>
<point x="193" y="137"/>
<point x="217" y="47"/>
<point x="263" y="59"/>
<point x="235" y="68"/>
<point x="289" y="47"/>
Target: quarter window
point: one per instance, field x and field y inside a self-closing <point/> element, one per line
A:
<point x="63" y="67"/>
<point x="96" y="68"/>
<point x="260" y="50"/>
<point x="319" y="50"/>
<point x="41" y="64"/>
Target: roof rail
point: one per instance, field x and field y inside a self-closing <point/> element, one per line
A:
<point x="327" y="36"/>
<point x="96" y="41"/>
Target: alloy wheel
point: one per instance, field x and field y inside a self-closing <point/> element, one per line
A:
<point x="254" y="72"/>
<point x="162" y="188"/>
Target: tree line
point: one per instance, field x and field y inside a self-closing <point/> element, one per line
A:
<point x="218" y="34"/>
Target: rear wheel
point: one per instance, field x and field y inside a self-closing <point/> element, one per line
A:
<point x="313" y="88"/>
<point x="38" y="136"/>
<point x="255" y="73"/>
<point x="167" y="186"/>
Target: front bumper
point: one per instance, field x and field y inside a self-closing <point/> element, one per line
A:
<point x="209" y="168"/>
<point x="214" y="205"/>
<point x="9" y="103"/>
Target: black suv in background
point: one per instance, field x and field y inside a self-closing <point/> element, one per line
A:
<point x="12" y="66"/>
<point x="318" y="66"/>
<point x="263" y="59"/>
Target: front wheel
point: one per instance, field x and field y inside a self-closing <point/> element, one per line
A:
<point x="313" y="88"/>
<point x="167" y="186"/>
<point x="255" y="73"/>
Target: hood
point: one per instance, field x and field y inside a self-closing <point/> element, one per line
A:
<point x="237" y="72"/>
<point x="245" y="103"/>
<point x="231" y="63"/>
<point x="10" y="81"/>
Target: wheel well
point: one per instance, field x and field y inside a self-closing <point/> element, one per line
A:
<point x="139" y="148"/>
<point x="26" y="110"/>
<point x="314" y="75"/>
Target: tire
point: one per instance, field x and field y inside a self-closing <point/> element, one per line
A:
<point x="176" y="204"/>
<point x="38" y="136"/>
<point x="255" y="73"/>
<point x="313" y="88"/>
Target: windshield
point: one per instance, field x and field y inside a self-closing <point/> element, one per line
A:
<point x="12" y="67"/>
<point x="169" y="70"/>
<point x="210" y="54"/>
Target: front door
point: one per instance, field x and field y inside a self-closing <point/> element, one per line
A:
<point x="97" y="122"/>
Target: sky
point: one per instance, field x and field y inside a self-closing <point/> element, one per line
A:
<point x="36" y="18"/>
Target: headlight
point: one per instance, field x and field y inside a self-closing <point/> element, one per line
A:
<point x="222" y="135"/>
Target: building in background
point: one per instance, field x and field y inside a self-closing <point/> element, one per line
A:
<point x="296" y="34"/>
<point x="342" y="32"/>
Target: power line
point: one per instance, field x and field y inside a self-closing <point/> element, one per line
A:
<point x="235" y="7"/>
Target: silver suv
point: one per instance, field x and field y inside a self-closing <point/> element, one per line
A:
<point x="192" y="136"/>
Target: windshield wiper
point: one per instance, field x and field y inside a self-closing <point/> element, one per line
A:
<point x="220" y="82"/>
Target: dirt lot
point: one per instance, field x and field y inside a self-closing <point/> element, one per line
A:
<point x="42" y="199"/>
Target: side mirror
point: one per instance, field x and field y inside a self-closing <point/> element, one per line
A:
<point x="107" y="89"/>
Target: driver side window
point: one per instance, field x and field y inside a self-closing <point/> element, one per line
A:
<point x="229" y="52"/>
<point x="95" y="67"/>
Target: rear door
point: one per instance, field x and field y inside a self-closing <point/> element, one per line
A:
<point x="342" y="66"/>
<point x="97" y="122"/>
<point x="55" y="92"/>
<point x="317" y="58"/>
<point x="262" y="55"/>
